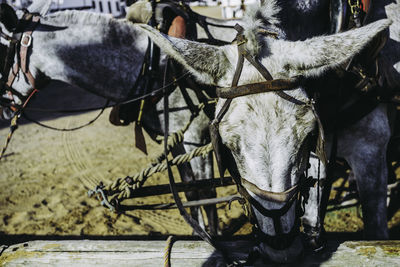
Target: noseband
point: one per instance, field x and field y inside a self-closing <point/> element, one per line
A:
<point x="19" y="44"/>
<point x="281" y="240"/>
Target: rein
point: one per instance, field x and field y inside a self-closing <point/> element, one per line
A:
<point x="172" y="184"/>
<point x="66" y="129"/>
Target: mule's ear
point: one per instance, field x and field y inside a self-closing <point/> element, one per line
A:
<point x="208" y="63"/>
<point x="40" y="6"/>
<point x="8" y="17"/>
<point x="313" y="56"/>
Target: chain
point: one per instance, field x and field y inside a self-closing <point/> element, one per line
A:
<point x="354" y="6"/>
<point x="356" y="9"/>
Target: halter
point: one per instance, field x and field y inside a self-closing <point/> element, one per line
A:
<point x="19" y="45"/>
<point x="281" y="240"/>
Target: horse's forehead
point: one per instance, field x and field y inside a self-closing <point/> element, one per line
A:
<point x="266" y="116"/>
<point x="266" y="106"/>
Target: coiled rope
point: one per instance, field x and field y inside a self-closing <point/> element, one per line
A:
<point x="123" y="188"/>
<point x="177" y="137"/>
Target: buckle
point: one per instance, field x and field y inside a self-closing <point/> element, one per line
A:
<point x="29" y="42"/>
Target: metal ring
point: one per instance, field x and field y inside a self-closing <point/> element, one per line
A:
<point x="29" y="40"/>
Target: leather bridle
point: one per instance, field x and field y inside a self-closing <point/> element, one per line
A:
<point x="19" y="44"/>
<point x="281" y="240"/>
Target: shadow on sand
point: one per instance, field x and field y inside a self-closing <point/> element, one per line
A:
<point x="59" y="96"/>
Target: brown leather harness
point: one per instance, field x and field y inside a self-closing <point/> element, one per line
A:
<point x="281" y="240"/>
<point x="19" y="46"/>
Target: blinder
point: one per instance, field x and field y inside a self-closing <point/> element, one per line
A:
<point x="8" y="17"/>
<point x="225" y="158"/>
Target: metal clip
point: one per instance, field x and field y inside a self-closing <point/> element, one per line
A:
<point x="29" y="42"/>
<point x="103" y="198"/>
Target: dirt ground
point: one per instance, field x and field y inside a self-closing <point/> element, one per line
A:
<point x="46" y="174"/>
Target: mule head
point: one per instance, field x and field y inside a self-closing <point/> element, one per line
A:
<point x="266" y="134"/>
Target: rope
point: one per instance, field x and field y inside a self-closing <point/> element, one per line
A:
<point x="110" y="105"/>
<point x="13" y="127"/>
<point x="167" y="251"/>
<point x="177" y="137"/>
<point x="122" y="188"/>
<point x="173" y="140"/>
<point x="66" y="129"/>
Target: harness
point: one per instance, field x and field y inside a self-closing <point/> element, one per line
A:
<point x="19" y="45"/>
<point x="366" y="95"/>
<point x="163" y="14"/>
<point x="281" y="240"/>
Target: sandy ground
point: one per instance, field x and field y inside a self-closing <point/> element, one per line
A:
<point x="45" y="176"/>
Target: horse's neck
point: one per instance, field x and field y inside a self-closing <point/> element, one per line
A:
<point x="302" y="19"/>
<point x="104" y="58"/>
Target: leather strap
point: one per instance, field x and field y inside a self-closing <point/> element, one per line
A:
<point x="193" y="223"/>
<point x="289" y="196"/>
<point x="261" y="87"/>
<point x="25" y="43"/>
<point x="213" y="127"/>
<point x="13" y="74"/>
<point x="267" y="195"/>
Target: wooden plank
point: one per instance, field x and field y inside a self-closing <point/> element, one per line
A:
<point x="105" y="253"/>
<point x="185" y="253"/>
<point x="365" y="253"/>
